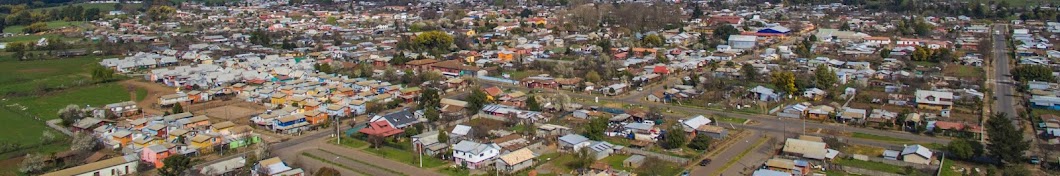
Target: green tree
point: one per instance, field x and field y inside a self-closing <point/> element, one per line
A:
<point x="582" y="160"/>
<point x="443" y="136"/>
<point x="332" y="20"/>
<point x="595" y="129"/>
<point x="749" y="72"/>
<point x="175" y="165"/>
<point x="1032" y="73"/>
<point x="477" y="100"/>
<point x="1006" y="141"/>
<point x="652" y="40"/>
<point x="18" y="48"/>
<point x="592" y="76"/>
<point x="177" y="109"/>
<point x="431" y="40"/>
<point x="526" y="13"/>
<point x="825" y="77"/>
<point x="159" y="13"/>
<point x="961" y="149"/>
<point x="885" y="53"/>
<point x="845" y="27"/>
<point x="36" y="27"/>
<point x="785" y="81"/>
<point x="429" y="99"/>
<point x="532" y="104"/>
<point x="696" y="12"/>
<point x="724" y="31"/>
<point x="700" y="142"/>
<point x="674" y="137"/>
<point x="431" y="114"/>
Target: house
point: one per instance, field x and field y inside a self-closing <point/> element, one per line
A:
<point x="634" y="161"/>
<point x="273" y="167"/>
<point x="1045" y="102"/>
<point x="380" y="129"/>
<point x="793" y="111"/>
<point x="154" y="154"/>
<point x="934" y="100"/>
<point x="204" y="142"/>
<point x="428" y="144"/>
<point x="400" y="119"/>
<point x="853" y="114"/>
<point x="691" y="124"/>
<point x="87" y="124"/>
<point x="916" y="154"/>
<point x="805" y="148"/>
<point x="551" y="130"/>
<point x="601" y="149"/>
<point x="891" y="154"/>
<point x="714" y="131"/>
<point x="742" y="41"/>
<point x="125" y="165"/>
<point x="573" y="142"/>
<point x="641" y="131"/>
<point x="515" y="161"/>
<point x="123" y="109"/>
<point x="226" y="167"/>
<point x="474" y="155"/>
<point x="814" y="94"/>
<point x="764" y="94"/>
<point x="820" y="112"/>
<point x="459" y="133"/>
<point x="290" y="124"/>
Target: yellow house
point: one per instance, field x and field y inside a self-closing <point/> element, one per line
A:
<point x="301" y="101"/>
<point x="144" y="142"/>
<point x="278" y="98"/>
<point x="176" y="133"/>
<point x="470" y="33"/>
<point x="470" y="59"/>
<point x="203" y="142"/>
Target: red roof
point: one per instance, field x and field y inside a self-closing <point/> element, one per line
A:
<point x="660" y="69"/>
<point x="380" y="128"/>
<point x="493" y="91"/>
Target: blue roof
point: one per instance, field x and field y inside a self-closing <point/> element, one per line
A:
<point x="767" y="172"/>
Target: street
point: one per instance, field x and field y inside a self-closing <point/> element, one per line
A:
<point x="1003" y="83"/>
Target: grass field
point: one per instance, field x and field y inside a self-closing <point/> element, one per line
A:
<point x="963" y="71"/>
<point x="615" y="161"/>
<point x="876" y="166"/>
<point x="28" y="76"/>
<point x="51" y="25"/>
<point x="879" y="138"/>
<point x="95" y="96"/>
<point x="28" y="38"/>
<point x="407" y="157"/>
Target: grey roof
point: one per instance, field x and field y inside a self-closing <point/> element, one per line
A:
<point x="890" y="153"/>
<point x="573" y="138"/>
<point x="471" y="147"/>
<point x="461" y="130"/>
<point x="401" y="118"/>
<point x="917" y="149"/>
<point x="157" y="148"/>
<point x="601" y="146"/>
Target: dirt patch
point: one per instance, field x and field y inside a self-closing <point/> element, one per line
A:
<point x="154" y="90"/>
<point x="238" y="112"/>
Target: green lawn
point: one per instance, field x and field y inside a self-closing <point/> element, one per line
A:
<point x="947" y="169"/>
<point x="28" y="38"/>
<point x="51" y="25"/>
<point x="964" y="71"/>
<point x="879" y="138"/>
<point x="25" y="77"/>
<point x="730" y="119"/>
<point x="615" y="161"/>
<point x="332" y="163"/>
<point x="407" y="157"/>
<point x="141" y="93"/>
<point x="870" y="165"/>
<point x="387" y="169"/>
<point x="351" y="143"/>
<point x="47" y="106"/>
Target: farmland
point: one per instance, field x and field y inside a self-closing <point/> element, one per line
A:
<point x="51" y="25"/>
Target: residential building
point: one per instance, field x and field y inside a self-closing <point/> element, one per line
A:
<point x="515" y="161"/>
<point x="125" y="165"/>
<point x="474" y="155"/>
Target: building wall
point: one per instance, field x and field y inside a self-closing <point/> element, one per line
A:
<point x="114" y="170"/>
<point x="504" y="167"/>
<point x="913" y="158"/>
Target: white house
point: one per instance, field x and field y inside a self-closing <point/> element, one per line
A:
<point x="573" y="142"/>
<point x="473" y="155"/>
<point x="916" y="154"/>
<point x="125" y="165"/>
<point x="742" y="41"/>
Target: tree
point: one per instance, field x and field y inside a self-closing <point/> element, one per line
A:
<point x="177" y="109"/>
<point x="674" y="137"/>
<point x="70" y="114"/>
<point x="652" y="40"/>
<point x="327" y="171"/>
<point x="697" y="12"/>
<point x="961" y="149"/>
<point x="595" y="129"/>
<point x="582" y="160"/>
<point x="825" y="76"/>
<point x="18" y="48"/>
<point x="700" y="142"/>
<point x="33" y="163"/>
<point x="175" y="165"/>
<point x="477" y="100"/>
<point x="885" y="53"/>
<point x="723" y="32"/>
<point x="845" y="27"/>
<point x="526" y="13"/>
<point x="102" y="74"/>
<point x="531" y="103"/>
<point x="83" y="143"/>
<point x="749" y="72"/>
<point x="1006" y="141"/>
<point x="1033" y="73"/>
<point x="159" y="13"/>
<point x="592" y="76"/>
<point x="785" y="81"/>
<point x="432" y="114"/>
<point x="36" y="27"/>
<point x="443" y="136"/>
<point x="431" y="40"/>
<point x="429" y="99"/>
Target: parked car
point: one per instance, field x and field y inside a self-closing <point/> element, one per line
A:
<point x="1036" y="160"/>
<point x="704" y="162"/>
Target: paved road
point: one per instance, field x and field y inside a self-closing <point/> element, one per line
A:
<point x="1003" y="89"/>
<point x="350" y="158"/>
<point x="719" y="160"/>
